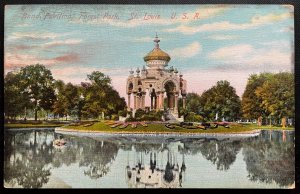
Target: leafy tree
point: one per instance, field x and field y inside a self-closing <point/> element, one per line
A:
<point x="100" y="96"/>
<point x="221" y="99"/>
<point x="60" y="104"/>
<point x="15" y="98"/>
<point x="72" y="97"/>
<point x="251" y="103"/>
<point x="193" y="102"/>
<point x="277" y="94"/>
<point x="37" y="82"/>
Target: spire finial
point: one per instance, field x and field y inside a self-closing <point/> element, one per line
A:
<point x="156" y="40"/>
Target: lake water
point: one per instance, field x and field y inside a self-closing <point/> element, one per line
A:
<point x="134" y="161"/>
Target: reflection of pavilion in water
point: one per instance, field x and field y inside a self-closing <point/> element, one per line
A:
<point x="153" y="175"/>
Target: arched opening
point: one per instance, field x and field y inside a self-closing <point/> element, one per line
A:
<point x="139" y="82"/>
<point x="152" y="99"/>
<point x="130" y="87"/>
<point x="170" y="92"/>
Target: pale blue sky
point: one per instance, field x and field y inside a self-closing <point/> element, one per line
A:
<point x="223" y="42"/>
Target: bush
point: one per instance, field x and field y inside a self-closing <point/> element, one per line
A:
<point x="192" y="117"/>
<point x="114" y="117"/>
<point x="122" y="113"/>
<point x="139" y="113"/>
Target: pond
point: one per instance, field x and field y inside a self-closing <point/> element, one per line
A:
<point x="31" y="160"/>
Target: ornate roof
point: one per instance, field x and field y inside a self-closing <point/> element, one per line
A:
<point x="157" y="53"/>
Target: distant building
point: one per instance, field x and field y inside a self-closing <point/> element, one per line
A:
<point x="158" y="81"/>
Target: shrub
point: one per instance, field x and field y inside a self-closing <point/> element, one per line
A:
<point x="122" y="113"/>
<point x="192" y="117"/>
<point x="114" y="117"/>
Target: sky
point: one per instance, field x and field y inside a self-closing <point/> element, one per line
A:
<point x="206" y="43"/>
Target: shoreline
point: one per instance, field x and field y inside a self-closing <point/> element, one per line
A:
<point x="254" y="132"/>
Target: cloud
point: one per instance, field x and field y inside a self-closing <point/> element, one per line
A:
<point x="33" y="35"/>
<point x="12" y="60"/>
<point x="287" y="29"/>
<point x="270" y="18"/>
<point x="243" y="56"/>
<point x="188" y="51"/>
<point x="20" y="47"/>
<point x="144" y="39"/>
<point x="256" y="21"/>
<point x="62" y="43"/>
<point x="234" y="52"/>
<point x="223" y="37"/>
<point x="68" y="58"/>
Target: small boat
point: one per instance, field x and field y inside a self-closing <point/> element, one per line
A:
<point x="59" y="142"/>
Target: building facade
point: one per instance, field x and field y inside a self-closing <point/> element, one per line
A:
<point x="157" y="81"/>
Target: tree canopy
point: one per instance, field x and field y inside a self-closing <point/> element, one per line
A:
<point x="33" y="87"/>
<point x="222" y="100"/>
<point x="269" y="95"/>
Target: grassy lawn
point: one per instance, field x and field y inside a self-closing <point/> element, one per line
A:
<point x="268" y="127"/>
<point x="161" y="128"/>
<point x="30" y="125"/>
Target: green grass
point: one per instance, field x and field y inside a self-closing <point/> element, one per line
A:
<point x="160" y="128"/>
<point x="269" y="127"/>
<point x="30" y="125"/>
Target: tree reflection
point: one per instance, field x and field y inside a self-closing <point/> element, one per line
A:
<point x="26" y="164"/>
<point x="269" y="160"/>
<point x="221" y="153"/>
<point x="98" y="156"/>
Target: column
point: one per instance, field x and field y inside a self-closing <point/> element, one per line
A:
<point x="176" y="103"/>
<point x="157" y="101"/>
<point x="183" y="102"/>
<point x="161" y="100"/>
<point x="171" y="100"/>
<point x="143" y="101"/>
<point x="134" y="102"/>
<point x="128" y="102"/>
<point x="151" y="102"/>
<point x="137" y="102"/>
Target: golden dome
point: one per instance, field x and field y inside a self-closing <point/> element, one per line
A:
<point x="157" y="53"/>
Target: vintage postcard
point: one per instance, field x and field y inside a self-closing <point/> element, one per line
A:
<point x="149" y="96"/>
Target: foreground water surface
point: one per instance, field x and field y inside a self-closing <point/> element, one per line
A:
<point x="31" y="160"/>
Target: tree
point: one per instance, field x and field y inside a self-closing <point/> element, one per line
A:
<point x="37" y="82"/>
<point x="15" y="98"/>
<point x="277" y="94"/>
<point x="60" y="104"/>
<point x="72" y="97"/>
<point x="221" y="99"/>
<point x="251" y="103"/>
<point x="193" y="102"/>
<point x="100" y="96"/>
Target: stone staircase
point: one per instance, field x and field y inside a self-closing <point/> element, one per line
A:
<point x="172" y="117"/>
